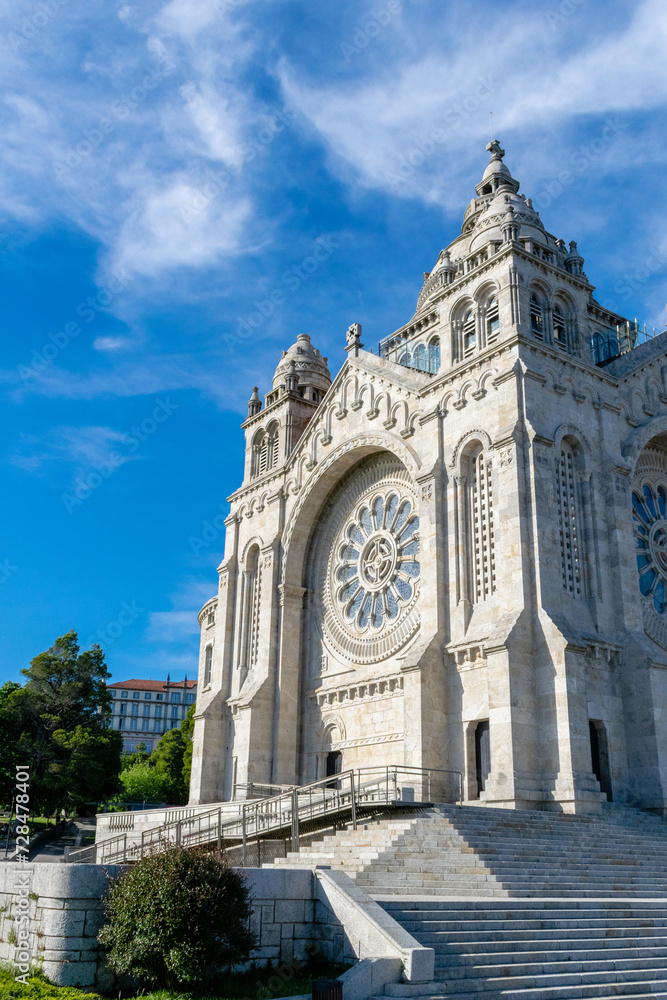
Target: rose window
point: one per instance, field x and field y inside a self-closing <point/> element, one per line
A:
<point x="649" y="512"/>
<point x="377" y="562"/>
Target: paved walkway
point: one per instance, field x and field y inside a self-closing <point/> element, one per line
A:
<point x="75" y="836"/>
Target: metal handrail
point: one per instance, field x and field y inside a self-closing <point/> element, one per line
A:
<point x="395" y="769"/>
<point x="338" y="793"/>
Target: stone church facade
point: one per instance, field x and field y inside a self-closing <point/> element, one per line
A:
<point x="453" y="555"/>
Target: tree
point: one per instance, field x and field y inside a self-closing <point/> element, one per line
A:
<point x="167" y="759"/>
<point x="10" y="734"/>
<point x="143" y="782"/>
<point x="128" y="760"/>
<point x="66" y="688"/>
<point x="187" y="732"/>
<point x="65" y="694"/>
<point x="179" y="916"/>
<point x="88" y="765"/>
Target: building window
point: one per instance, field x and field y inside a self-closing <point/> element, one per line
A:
<point x="174" y="725"/>
<point x="649" y="512"/>
<point x="560" y="333"/>
<point x="159" y="697"/>
<point x="536" y="317"/>
<point x="569" y="521"/>
<point x="492" y="321"/>
<point x="434" y="355"/>
<point x="135" y="710"/>
<point x="176" y="698"/>
<point x="469" y="333"/>
<point x="481" y="535"/>
<point x="145" y="725"/>
<point x="147" y="696"/>
<point x="208" y="659"/>
<point x="123" y="694"/>
<point x="174" y="713"/>
<point x="250" y="604"/>
<point x="211" y="618"/>
<point x="147" y="709"/>
<point x="135" y="694"/>
<point x="158" y="711"/>
<point x="157" y="726"/>
<point x="123" y="709"/>
<point x="191" y="698"/>
<point x="121" y="723"/>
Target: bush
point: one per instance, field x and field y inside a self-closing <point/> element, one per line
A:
<point x="177" y="917"/>
<point x="38" y="987"/>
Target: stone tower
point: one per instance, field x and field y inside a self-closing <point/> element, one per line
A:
<point x="454" y="555"/>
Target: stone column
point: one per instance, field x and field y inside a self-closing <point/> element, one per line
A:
<point x="287" y="707"/>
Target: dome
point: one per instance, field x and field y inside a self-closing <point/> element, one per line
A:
<point x="497" y="168"/>
<point x="488" y="223"/>
<point x="309" y="364"/>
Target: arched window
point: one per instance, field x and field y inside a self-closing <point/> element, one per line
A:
<point x="434" y="355"/>
<point x="560" y="329"/>
<point x="536" y="317"/>
<point x="481" y="554"/>
<point x="469" y="333"/>
<point x="570" y="521"/>
<point x="266" y="450"/>
<point x="421" y="359"/>
<point x="250" y="610"/>
<point x="492" y="321"/>
<point x="273" y="444"/>
<point x="259" y="454"/>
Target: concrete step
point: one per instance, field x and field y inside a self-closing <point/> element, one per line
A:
<point x="548" y="987"/>
<point x="656" y="990"/>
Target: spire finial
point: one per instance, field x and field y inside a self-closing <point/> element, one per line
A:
<point x="254" y="403"/>
<point x="497" y="152"/>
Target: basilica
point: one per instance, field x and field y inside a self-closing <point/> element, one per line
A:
<point x="453" y="554"/>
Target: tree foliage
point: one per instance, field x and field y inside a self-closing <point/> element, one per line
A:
<point x="142" y="782"/>
<point x="188" y="731"/>
<point x="177" y="917"/>
<point x="57" y="724"/>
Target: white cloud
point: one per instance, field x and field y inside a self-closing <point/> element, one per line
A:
<point x="172" y="626"/>
<point x="182" y="225"/>
<point x="84" y="448"/>
<point x="112" y="343"/>
<point x="375" y="126"/>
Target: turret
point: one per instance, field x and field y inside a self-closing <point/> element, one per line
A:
<point x="300" y="382"/>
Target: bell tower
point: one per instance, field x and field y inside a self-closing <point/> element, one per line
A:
<point x="272" y="431"/>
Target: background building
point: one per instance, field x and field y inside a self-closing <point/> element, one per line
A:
<point x="144" y="710"/>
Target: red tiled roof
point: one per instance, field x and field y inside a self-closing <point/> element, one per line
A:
<point x="142" y="685"/>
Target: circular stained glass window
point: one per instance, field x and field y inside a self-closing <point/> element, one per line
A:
<point x="649" y="512"/>
<point x="377" y="562"/>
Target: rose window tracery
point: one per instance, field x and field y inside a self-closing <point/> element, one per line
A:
<point x="377" y="565"/>
<point x="363" y="569"/>
<point x="649" y="511"/>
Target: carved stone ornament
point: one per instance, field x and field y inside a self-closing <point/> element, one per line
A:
<point x="365" y="563"/>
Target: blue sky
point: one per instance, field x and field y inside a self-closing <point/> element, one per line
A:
<point x="166" y="166"/>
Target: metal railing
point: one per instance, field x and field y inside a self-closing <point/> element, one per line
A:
<point x="606" y="345"/>
<point x="332" y="797"/>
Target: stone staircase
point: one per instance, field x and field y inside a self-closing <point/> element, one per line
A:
<point x="518" y="904"/>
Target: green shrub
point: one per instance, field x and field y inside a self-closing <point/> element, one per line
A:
<point x="37" y="988"/>
<point x="177" y="917"/>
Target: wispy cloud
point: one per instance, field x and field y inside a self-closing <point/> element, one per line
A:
<point x="82" y="448"/>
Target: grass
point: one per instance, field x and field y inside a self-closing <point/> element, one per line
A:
<point x="37" y="988"/>
<point x="258" y="984"/>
